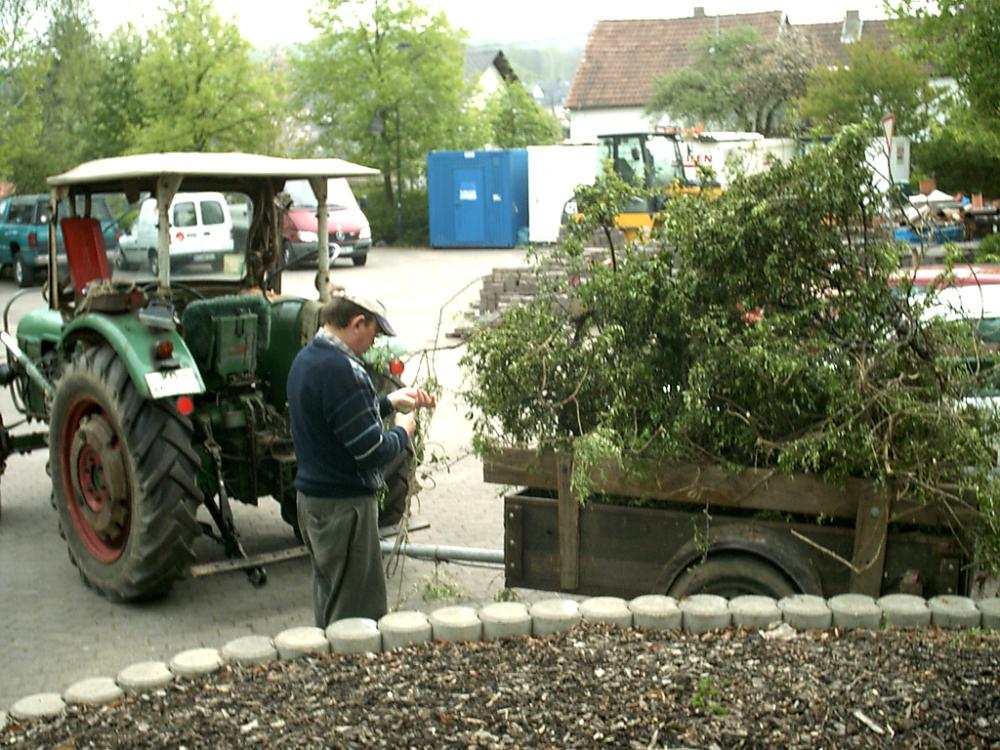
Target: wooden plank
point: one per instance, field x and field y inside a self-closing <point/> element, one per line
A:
<point x="523" y="468"/>
<point x="569" y="526"/>
<point x="754" y="489"/>
<point x="870" y="540"/>
<point x="513" y="552"/>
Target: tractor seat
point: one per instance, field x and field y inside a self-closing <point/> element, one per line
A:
<point x="85" y="252"/>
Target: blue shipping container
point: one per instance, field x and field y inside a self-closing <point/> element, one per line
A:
<point x="477" y="198"/>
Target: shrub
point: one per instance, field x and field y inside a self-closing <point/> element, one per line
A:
<point x="382" y="217"/>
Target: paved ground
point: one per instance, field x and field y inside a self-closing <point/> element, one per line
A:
<point x="57" y="631"/>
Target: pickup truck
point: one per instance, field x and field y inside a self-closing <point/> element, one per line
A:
<point x="24" y="234"/>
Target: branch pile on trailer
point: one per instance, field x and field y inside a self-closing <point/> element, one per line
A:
<point x="760" y="331"/>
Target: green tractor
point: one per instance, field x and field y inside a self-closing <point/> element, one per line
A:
<point x="163" y="388"/>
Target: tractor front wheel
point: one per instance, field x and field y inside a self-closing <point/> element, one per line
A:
<point x="123" y="476"/>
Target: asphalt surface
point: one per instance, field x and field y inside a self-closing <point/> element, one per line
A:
<point x="57" y="631"/>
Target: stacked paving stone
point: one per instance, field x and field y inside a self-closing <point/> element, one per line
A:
<point x="506" y="287"/>
<point x="696" y="614"/>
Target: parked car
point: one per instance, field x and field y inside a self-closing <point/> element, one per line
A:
<point x="348" y="228"/>
<point x="24" y="233"/>
<point x="201" y="231"/>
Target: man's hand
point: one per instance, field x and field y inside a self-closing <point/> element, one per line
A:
<point x="407" y="399"/>
<point x="408" y="421"/>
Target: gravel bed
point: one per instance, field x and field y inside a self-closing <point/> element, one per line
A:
<point x="594" y="686"/>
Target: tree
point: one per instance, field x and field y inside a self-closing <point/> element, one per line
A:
<point x="961" y="154"/>
<point x="960" y="38"/>
<point x="737" y="80"/>
<point x="200" y="90"/>
<point x="874" y="82"/>
<point x="514" y="119"/>
<point x="22" y="68"/>
<point x="385" y="82"/>
<point x="69" y="94"/>
<point x="120" y="113"/>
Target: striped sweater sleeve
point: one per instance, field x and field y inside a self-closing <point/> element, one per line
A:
<point x="357" y="423"/>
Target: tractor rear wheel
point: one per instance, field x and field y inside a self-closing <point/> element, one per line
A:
<point x="124" y="478"/>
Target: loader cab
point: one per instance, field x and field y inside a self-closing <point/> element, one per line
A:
<point x="647" y="160"/>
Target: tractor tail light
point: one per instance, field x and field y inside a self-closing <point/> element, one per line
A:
<point x="164" y="349"/>
<point x="185" y="405"/>
<point x="396" y="367"/>
<point x="33" y="240"/>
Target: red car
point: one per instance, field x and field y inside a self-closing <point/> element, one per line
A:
<point x="349" y="233"/>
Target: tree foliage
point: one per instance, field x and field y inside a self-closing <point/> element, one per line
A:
<point x="393" y="59"/>
<point x="515" y="120"/>
<point x="738" y="80"/>
<point x="959" y="153"/>
<point x="961" y="38"/>
<point x="200" y="90"/>
<point x="760" y="330"/>
<point x="120" y="111"/>
<point x="21" y="67"/>
<point x="875" y="81"/>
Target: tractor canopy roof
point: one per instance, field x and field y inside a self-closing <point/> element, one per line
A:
<point x="141" y="171"/>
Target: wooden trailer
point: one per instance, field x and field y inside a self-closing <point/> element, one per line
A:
<point x="686" y="528"/>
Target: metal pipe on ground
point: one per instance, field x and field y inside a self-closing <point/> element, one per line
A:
<point x="438" y="552"/>
<point x="444" y="553"/>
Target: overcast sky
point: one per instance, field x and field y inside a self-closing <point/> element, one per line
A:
<point x="511" y="21"/>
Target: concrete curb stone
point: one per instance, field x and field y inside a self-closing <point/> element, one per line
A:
<point x="195" y="662"/>
<point x="456" y="625"/>
<point x="144" y="675"/>
<point x="656" y="612"/>
<point x="553" y="616"/>
<point x="403" y="628"/>
<point x="354" y="635"/>
<point x="904" y="611"/>
<point x="990" y="609"/>
<point x="93" y="691"/>
<point x="954" y="612"/>
<point x="505" y="620"/>
<point x="752" y="611"/>
<point x="249" y="650"/>
<point x="855" y="611"/>
<point x="705" y="612"/>
<point x="806" y="612"/>
<point x="38" y="706"/>
<point x="296" y="642"/>
<point x="610" y="610"/>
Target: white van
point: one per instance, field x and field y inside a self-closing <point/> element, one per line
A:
<point x="201" y="231"/>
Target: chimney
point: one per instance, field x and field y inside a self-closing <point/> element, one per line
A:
<point x="851" y="31"/>
<point x="699" y="11"/>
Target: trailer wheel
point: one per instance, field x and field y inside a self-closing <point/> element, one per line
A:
<point x="124" y="478"/>
<point x="732" y="574"/>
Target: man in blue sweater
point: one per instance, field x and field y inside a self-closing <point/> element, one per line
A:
<point x="341" y="449"/>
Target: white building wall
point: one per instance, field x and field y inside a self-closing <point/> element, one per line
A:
<point x="586" y="125"/>
<point x="553" y="173"/>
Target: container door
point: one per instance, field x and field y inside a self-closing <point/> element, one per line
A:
<point x="470" y="219"/>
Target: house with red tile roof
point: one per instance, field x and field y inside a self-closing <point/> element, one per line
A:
<point x="622" y="59"/>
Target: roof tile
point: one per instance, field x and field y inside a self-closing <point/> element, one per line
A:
<point x="623" y="58"/>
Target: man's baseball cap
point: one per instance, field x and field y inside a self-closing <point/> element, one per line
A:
<point x="373" y="306"/>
